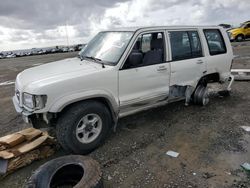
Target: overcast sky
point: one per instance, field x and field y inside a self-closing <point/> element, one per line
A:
<point x="31" y="23"/>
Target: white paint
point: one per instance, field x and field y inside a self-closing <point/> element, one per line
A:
<point x="127" y="90"/>
<point x="7" y="83"/>
<point x="246" y="128"/>
<point x="172" y="153"/>
<point x="37" y="64"/>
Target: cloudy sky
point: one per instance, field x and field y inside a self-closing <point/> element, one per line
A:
<point x="31" y="23"/>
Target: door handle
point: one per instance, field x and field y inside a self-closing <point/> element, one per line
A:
<point x="162" y="68"/>
<point x="199" y="62"/>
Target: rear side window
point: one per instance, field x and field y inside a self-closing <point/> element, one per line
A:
<point x="215" y="41"/>
<point x="185" y="45"/>
<point x="195" y="44"/>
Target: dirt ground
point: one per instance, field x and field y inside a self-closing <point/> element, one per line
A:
<point x="211" y="144"/>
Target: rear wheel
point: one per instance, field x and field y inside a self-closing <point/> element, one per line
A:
<point x="201" y="96"/>
<point x="239" y="38"/>
<point x="83" y="127"/>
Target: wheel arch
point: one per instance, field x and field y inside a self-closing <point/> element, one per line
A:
<point x="108" y="100"/>
<point x="209" y="78"/>
<point x="102" y="100"/>
<point x="240" y="34"/>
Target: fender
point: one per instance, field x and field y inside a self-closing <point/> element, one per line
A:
<point x="66" y="100"/>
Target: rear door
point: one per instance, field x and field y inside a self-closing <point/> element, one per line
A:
<point x="220" y="57"/>
<point x="188" y="64"/>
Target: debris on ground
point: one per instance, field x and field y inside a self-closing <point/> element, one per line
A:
<point x="246" y="166"/>
<point x="7" y="83"/>
<point x="68" y="171"/>
<point x="246" y="128"/>
<point x="172" y="153"/>
<point x="208" y="175"/>
<point x="241" y="74"/>
<point x="21" y="148"/>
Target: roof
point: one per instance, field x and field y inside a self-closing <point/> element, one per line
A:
<point x="133" y="29"/>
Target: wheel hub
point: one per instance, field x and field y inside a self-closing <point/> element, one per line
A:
<point x="88" y="128"/>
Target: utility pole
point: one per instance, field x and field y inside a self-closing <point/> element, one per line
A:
<point x="67" y="36"/>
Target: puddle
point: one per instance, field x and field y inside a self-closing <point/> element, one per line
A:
<point x="10" y="82"/>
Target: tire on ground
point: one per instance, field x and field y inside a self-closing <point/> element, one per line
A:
<point x="68" y="122"/>
<point x="68" y="171"/>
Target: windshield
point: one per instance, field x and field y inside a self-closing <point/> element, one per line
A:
<point x="107" y="46"/>
<point x="242" y="25"/>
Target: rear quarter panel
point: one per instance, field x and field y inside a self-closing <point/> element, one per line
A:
<point x="220" y="63"/>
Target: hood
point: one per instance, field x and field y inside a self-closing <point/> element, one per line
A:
<point x="56" y="70"/>
<point x="235" y="30"/>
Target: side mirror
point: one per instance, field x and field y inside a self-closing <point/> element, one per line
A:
<point x="135" y="59"/>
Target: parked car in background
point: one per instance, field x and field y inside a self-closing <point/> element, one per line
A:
<point x="121" y="72"/>
<point x="10" y="55"/>
<point x="2" y="56"/>
<point x="65" y="49"/>
<point x="77" y="47"/>
<point x="241" y="33"/>
<point x="71" y="49"/>
<point x="226" y="26"/>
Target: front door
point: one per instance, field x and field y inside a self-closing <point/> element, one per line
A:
<point x="144" y="77"/>
<point x="188" y="64"/>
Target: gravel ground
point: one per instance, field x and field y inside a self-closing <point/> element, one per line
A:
<point x="209" y="139"/>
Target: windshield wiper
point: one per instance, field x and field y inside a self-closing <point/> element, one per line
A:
<point x="95" y="59"/>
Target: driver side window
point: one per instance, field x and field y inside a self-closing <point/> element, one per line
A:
<point x="147" y="50"/>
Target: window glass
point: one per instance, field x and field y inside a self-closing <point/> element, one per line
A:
<point x="180" y="45"/>
<point x="147" y="50"/>
<point x="215" y="41"/>
<point x="146" y="42"/>
<point x="107" y="46"/>
<point x="195" y="44"/>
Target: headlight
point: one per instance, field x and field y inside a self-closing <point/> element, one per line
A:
<point x="34" y="101"/>
<point x="28" y="100"/>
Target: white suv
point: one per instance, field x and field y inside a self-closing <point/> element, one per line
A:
<point x="121" y="72"/>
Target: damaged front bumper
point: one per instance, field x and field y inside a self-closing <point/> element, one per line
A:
<point x="25" y="114"/>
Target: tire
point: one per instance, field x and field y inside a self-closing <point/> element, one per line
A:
<point x="76" y="133"/>
<point x="200" y="96"/>
<point x="239" y="38"/>
<point x="224" y="93"/>
<point x="68" y="171"/>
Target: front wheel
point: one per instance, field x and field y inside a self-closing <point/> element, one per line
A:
<point x="83" y="127"/>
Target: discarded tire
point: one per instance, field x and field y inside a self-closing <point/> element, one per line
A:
<point x="68" y="171"/>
